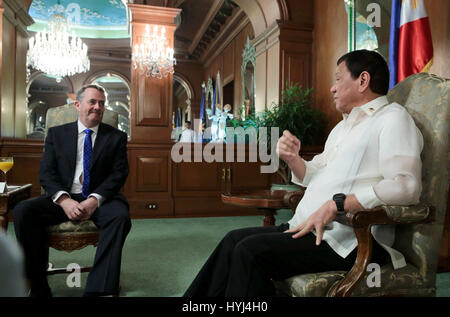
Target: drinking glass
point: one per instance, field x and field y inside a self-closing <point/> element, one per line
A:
<point x="6" y="163"/>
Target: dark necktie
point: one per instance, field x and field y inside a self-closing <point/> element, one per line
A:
<point x="87" y="154"/>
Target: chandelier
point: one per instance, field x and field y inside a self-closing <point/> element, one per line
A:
<point x="55" y="52"/>
<point x="153" y="56"/>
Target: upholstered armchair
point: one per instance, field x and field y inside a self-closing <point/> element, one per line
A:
<point x="70" y="235"/>
<point x="418" y="228"/>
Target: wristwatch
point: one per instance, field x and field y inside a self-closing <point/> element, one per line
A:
<point x="339" y="200"/>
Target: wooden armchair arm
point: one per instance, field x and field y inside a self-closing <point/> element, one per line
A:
<point x="292" y="199"/>
<point x="362" y="221"/>
<point x="389" y="214"/>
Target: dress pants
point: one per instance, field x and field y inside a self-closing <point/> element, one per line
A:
<point x="112" y="218"/>
<point x="246" y="260"/>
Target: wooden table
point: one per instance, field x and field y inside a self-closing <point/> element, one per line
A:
<point x="10" y="199"/>
<point x="266" y="200"/>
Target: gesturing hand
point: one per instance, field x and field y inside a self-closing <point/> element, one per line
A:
<point x="288" y="147"/>
<point x="318" y="220"/>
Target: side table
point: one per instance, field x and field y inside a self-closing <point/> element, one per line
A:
<point x="266" y="200"/>
<point x="8" y="200"/>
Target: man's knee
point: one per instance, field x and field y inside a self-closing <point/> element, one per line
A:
<point x="117" y="212"/>
<point x="23" y="210"/>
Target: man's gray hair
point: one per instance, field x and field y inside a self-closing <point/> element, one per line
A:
<point x="80" y="92"/>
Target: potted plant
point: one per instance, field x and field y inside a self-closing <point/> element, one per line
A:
<point x="250" y="121"/>
<point x="294" y="113"/>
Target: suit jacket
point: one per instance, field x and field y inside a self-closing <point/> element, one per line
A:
<point x="109" y="163"/>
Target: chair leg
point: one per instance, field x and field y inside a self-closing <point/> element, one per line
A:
<point x="52" y="271"/>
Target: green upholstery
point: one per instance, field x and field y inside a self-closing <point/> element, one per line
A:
<point x="68" y="113"/>
<point x="309" y="285"/>
<point x="73" y="227"/>
<point x="426" y="97"/>
<point x="61" y="115"/>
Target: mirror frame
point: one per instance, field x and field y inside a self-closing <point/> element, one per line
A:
<point x="209" y="95"/>
<point x="189" y="92"/>
<point x="248" y="56"/>
<point x="30" y="79"/>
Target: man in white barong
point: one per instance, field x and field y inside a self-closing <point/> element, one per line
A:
<point x="370" y="158"/>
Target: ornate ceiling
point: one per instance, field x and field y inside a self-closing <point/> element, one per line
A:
<point x="200" y="21"/>
<point x="89" y="19"/>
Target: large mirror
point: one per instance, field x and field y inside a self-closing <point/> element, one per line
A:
<point x="118" y="91"/>
<point x="44" y="93"/>
<point x="369" y="25"/>
<point x="181" y="101"/>
<point x="182" y="96"/>
<point x="248" y="79"/>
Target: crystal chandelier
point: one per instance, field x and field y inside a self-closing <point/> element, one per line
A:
<point x="153" y="56"/>
<point x="56" y="52"/>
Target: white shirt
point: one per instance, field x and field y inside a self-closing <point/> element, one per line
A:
<point x="77" y="184"/>
<point x="187" y="136"/>
<point x="373" y="153"/>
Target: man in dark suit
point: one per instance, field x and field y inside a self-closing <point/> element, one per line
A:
<point x="82" y="171"/>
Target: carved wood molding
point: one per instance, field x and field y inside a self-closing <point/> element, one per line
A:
<point x="72" y="242"/>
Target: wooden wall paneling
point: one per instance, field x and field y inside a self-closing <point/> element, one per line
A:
<point x="1" y="63"/>
<point x="228" y="64"/>
<point x="153" y="98"/>
<point x="296" y="68"/>
<point x="149" y="183"/>
<point x="439" y="15"/>
<point x="151" y="108"/>
<point x="8" y="78"/>
<point x="21" y="105"/>
<point x="296" y="56"/>
<point x="246" y="175"/>
<point x="330" y="43"/>
<point x="151" y="207"/>
<point x="197" y="179"/>
<point x="150" y="171"/>
<point x="191" y="178"/>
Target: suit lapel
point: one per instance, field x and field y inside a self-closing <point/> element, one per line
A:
<point x="71" y="152"/>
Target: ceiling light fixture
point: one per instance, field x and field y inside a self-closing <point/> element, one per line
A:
<point x="153" y="56"/>
<point x="55" y="52"/>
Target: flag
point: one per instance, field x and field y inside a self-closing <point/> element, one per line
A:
<point x="410" y="45"/>
<point x="178" y="117"/>
<point x="202" y="112"/>
<point x="214" y="102"/>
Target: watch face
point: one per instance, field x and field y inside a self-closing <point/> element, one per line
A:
<point x="339" y="196"/>
<point x="339" y="200"/>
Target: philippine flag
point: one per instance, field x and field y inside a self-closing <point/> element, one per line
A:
<point x="410" y="45"/>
